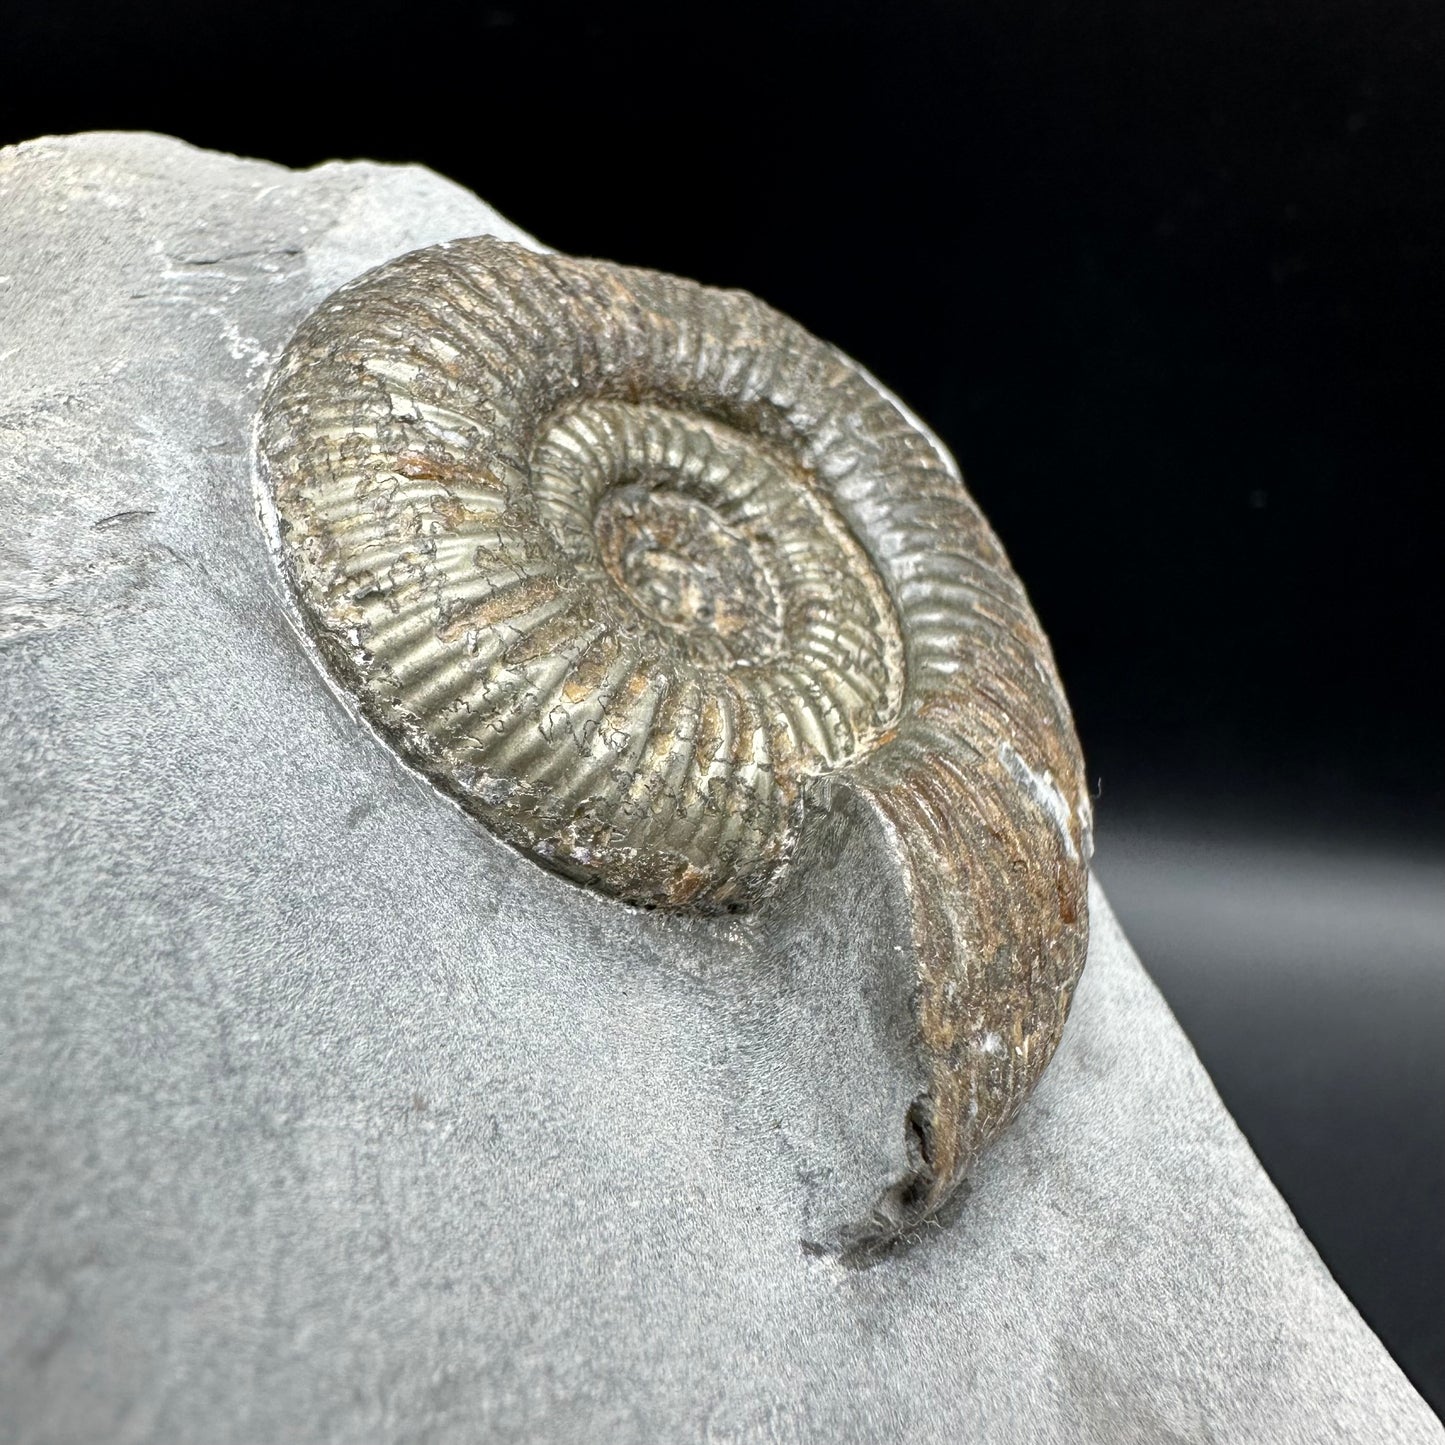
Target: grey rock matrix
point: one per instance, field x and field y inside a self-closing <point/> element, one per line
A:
<point x="323" y="1116"/>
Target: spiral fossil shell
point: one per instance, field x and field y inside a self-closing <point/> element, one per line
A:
<point x="635" y="569"/>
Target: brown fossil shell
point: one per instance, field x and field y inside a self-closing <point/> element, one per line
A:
<point x="625" y="564"/>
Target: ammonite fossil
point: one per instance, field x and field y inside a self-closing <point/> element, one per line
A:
<point x="636" y="570"/>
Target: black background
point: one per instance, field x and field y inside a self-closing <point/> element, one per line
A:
<point x="1170" y="281"/>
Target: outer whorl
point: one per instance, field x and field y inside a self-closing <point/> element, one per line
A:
<point x="624" y="564"/>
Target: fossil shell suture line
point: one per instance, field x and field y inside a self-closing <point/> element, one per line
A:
<point x="624" y="563"/>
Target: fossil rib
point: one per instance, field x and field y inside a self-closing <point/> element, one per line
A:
<point x="624" y="564"/>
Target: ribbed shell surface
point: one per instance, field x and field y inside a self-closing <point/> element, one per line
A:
<point x="625" y="564"/>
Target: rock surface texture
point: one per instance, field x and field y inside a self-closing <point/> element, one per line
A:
<point x="324" y="1116"/>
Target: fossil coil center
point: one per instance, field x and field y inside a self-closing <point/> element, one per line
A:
<point x="681" y="564"/>
<point x="725" y="554"/>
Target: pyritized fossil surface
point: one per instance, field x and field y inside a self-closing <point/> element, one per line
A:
<point x="643" y="575"/>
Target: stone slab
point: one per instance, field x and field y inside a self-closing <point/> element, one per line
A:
<point x="324" y="1117"/>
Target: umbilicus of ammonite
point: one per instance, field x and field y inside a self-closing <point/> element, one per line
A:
<point x="627" y="565"/>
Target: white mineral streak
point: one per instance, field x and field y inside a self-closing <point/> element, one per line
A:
<point x="326" y="1117"/>
<point x="1046" y="792"/>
